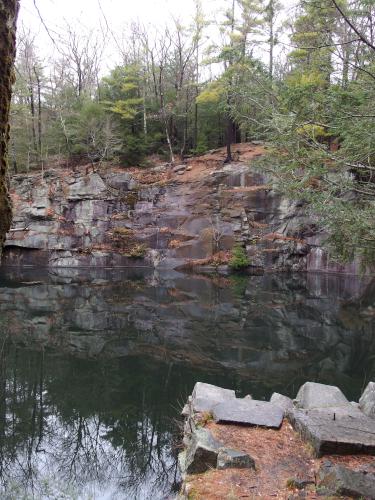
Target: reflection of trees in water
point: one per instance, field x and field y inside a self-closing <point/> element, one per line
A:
<point x="51" y="438"/>
<point x="107" y="422"/>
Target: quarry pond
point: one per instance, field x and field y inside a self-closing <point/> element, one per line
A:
<point x="96" y="365"/>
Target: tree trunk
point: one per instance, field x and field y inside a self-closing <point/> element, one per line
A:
<point x="229" y="139"/>
<point x="38" y="83"/>
<point x="8" y="16"/>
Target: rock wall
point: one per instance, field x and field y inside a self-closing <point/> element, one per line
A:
<point x="8" y="15"/>
<point x="188" y="216"/>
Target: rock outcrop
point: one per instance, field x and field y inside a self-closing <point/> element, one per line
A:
<point x="190" y="216"/>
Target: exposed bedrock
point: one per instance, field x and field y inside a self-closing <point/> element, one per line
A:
<point x="115" y="218"/>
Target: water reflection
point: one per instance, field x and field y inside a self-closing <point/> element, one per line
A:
<point x="98" y="429"/>
<point x="95" y="367"/>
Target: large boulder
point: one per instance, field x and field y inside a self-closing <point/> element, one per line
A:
<point x="367" y="401"/>
<point x="313" y="395"/>
<point x="341" y="481"/>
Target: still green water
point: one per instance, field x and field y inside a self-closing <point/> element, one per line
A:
<point x="95" y="367"/>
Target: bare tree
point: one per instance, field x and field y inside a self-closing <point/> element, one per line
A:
<point x="81" y="54"/>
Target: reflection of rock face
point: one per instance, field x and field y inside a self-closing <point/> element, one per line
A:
<point x="73" y="219"/>
<point x="272" y="332"/>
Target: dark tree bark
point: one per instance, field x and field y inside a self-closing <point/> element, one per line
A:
<point x="8" y="16"/>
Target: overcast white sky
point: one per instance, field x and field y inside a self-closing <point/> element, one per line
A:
<point x="89" y="15"/>
<point x="118" y="13"/>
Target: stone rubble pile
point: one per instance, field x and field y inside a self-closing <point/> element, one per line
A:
<point x="321" y="414"/>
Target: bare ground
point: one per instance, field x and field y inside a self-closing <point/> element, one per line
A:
<point x="281" y="458"/>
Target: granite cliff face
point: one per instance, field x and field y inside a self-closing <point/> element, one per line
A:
<point x="189" y="215"/>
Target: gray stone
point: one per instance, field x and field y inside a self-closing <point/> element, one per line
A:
<point x="282" y="402"/>
<point x="232" y="459"/>
<point x="367" y="401"/>
<point x="122" y="181"/>
<point x="179" y="168"/>
<point x="206" y="396"/>
<point x="202" y="453"/>
<point x="339" y="480"/>
<point x="335" y="430"/>
<point x="90" y="186"/>
<point x="313" y="395"/>
<point x="249" y="412"/>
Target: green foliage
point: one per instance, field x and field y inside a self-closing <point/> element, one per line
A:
<point x="315" y="107"/>
<point x="212" y="94"/>
<point x="239" y="259"/>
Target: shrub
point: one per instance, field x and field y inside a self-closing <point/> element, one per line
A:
<point x="138" y="251"/>
<point x="239" y="259"/>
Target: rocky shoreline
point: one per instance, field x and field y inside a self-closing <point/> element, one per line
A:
<point x="317" y="445"/>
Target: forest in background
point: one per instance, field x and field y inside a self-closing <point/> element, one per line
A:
<point x="303" y="83"/>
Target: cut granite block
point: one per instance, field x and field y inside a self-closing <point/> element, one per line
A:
<point x="202" y="453"/>
<point x="249" y="412"/>
<point x="313" y="395"/>
<point x="367" y="401"/>
<point x="206" y="396"/>
<point x="282" y="402"/>
<point x="338" y="430"/>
